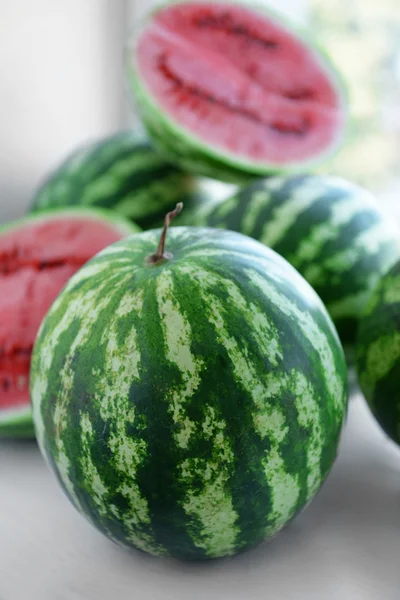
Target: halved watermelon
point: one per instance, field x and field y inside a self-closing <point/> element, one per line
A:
<point x="38" y="255"/>
<point x="228" y="90"/>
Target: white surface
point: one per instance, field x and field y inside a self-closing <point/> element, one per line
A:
<point x="345" y="546"/>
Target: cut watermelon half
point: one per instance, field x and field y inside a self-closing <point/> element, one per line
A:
<point x="38" y="255"/>
<point x="226" y="89"/>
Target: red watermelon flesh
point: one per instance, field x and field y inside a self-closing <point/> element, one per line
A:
<point x="240" y="81"/>
<point x="36" y="260"/>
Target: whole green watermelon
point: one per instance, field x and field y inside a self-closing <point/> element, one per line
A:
<point x="378" y="353"/>
<point x="124" y="173"/>
<point x="190" y="405"/>
<point x="332" y="231"/>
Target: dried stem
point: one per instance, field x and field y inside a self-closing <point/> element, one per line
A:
<point x="160" y="253"/>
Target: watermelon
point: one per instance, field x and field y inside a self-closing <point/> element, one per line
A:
<point x="329" y="229"/>
<point x="190" y="399"/>
<point x="120" y="172"/>
<point x="378" y="353"/>
<point x="38" y="254"/>
<point x="232" y="91"/>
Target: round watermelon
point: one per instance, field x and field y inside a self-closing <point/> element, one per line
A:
<point x="378" y="353"/>
<point x="190" y="399"/>
<point x="332" y="231"/>
<point x="124" y="173"/>
<point x="233" y="91"/>
<point x="38" y="254"/>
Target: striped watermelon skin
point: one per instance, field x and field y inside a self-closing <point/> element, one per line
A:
<point x="329" y="229"/>
<point x="193" y="407"/>
<point x="378" y="353"/>
<point x="124" y="173"/>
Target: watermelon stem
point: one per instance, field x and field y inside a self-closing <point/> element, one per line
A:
<point x="160" y="254"/>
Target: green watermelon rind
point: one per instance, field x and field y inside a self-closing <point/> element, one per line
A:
<point x="18" y="422"/>
<point x="188" y="151"/>
<point x="15" y="418"/>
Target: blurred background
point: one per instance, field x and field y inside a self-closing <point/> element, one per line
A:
<point x="62" y="83"/>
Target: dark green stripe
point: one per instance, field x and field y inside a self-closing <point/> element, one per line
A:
<point x="386" y="403"/>
<point x="158" y="477"/>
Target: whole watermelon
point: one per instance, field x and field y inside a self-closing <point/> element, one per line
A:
<point x="378" y="353"/>
<point x="124" y="173"/>
<point x="331" y="230"/>
<point x="190" y="401"/>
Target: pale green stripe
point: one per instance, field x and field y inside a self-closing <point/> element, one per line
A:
<point x="117" y="410"/>
<point x="177" y="343"/>
<point x="130" y="249"/>
<point x="92" y="270"/>
<point x="233" y="246"/>
<point x="142" y="201"/>
<point x="381" y="357"/>
<point x="99" y="189"/>
<point x="275" y="184"/>
<point x="304" y="321"/>
<point x="227" y="206"/>
<point x="210" y="503"/>
<point x="391" y="290"/>
<point x="285" y="216"/>
<point x="369" y="242"/>
<point x="109" y="184"/>
<point x="60" y="188"/>
<point x="307" y="405"/>
<point x="259" y="201"/>
<point x="63" y="465"/>
<point x="284" y="487"/>
<point x="137" y="162"/>
<point x="352" y="305"/>
<point x="343" y="210"/>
